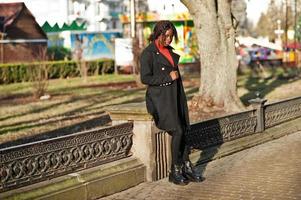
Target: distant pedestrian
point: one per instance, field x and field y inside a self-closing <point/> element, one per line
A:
<point x="166" y="100"/>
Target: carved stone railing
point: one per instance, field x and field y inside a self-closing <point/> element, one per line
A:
<point x="219" y="130"/>
<point x="41" y="160"/>
<point x="280" y="112"/>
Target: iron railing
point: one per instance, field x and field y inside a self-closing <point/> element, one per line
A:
<point x="219" y="130"/>
<point x="41" y="160"/>
<point x="279" y="112"/>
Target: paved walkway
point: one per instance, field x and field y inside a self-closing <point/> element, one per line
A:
<point x="268" y="171"/>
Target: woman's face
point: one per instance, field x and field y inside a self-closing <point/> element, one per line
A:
<point x="166" y="39"/>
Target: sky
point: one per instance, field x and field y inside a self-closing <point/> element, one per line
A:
<point x="45" y="10"/>
<point x="255" y="8"/>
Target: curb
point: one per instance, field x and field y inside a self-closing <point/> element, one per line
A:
<point x="88" y="184"/>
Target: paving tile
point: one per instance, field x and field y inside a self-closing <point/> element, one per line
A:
<point x="267" y="171"/>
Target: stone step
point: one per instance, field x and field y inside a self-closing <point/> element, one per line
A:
<point x="92" y="183"/>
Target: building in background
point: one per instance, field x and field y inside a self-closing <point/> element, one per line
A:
<point x="96" y="22"/>
<point x="98" y="15"/>
<point x="22" y="39"/>
<point x="53" y="11"/>
<point x="89" y="28"/>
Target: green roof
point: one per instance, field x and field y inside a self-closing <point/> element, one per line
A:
<point x="55" y="28"/>
<point x="72" y="27"/>
<point x="65" y="27"/>
<point x="46" y="27"/>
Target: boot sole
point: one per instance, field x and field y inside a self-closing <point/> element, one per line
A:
<point x="171" y="180"/>
<point x="190" y="178"/>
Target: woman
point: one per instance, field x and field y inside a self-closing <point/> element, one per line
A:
<point x="166" y="99"/>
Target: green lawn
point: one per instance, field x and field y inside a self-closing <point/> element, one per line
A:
<point x="72" y="100"/>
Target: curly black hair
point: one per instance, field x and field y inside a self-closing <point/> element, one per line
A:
<point x="160" y="29"/>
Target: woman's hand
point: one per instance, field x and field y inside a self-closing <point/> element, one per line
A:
<point x="174" y="75"/>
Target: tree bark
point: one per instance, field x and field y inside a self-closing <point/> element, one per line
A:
<point x="215" y="30"/>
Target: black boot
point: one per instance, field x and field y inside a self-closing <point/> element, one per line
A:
<point x="176" y="177"/>
<point x="190" y="173"/>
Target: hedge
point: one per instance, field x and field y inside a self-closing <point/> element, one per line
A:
<point x="22" y="72"/>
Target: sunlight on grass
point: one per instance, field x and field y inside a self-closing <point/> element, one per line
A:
<point x="62" y="84"/>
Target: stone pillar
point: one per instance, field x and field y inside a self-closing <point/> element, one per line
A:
<point x="150" y="145"/>
<point x="258" y="104"/>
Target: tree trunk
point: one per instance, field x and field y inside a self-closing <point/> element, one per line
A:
<point x="215" y="30"/>
<point x="136" y="61"/>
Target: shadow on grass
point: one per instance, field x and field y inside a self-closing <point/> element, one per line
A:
<point x="102" y="98"/>
<point x="71" y="115"/>
<point x="264" y="86"/>
<point x="33" y="111"/>
<point x="67" y="130"/>
<point x="102" y="86"/>
<point x="8" y="98"/>
<point x="42" y="122"/>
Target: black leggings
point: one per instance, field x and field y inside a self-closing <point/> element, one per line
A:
<point x="179" y="150"/>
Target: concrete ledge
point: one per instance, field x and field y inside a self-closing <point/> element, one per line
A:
<point x="87" y="184"/>
<point x="202" y="156"/>
<point x="131" y="111"/>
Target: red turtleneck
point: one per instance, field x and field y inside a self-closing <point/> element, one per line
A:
<point x="163" y="50"/>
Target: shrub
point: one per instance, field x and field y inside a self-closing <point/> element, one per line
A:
<point x="22" y="72"/>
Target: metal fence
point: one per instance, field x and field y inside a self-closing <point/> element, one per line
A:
<point x="41" y="160"/>
<point x="219" y="130"/>
<point x="283" y="111"/>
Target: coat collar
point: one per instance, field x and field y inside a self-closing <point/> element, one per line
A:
<point x="152" y="47"/>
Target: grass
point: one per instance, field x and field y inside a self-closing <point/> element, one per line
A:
<point x="266" y="84"/>
<point x="74" y="102"/>
<point x="58" y="85"/>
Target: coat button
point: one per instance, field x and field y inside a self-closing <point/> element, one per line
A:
<point x="158" y="53"/>
<point x="163" y="68"/>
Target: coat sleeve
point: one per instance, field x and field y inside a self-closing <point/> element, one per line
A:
<point x="147" y="75"/>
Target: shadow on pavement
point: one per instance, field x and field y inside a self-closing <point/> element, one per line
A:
<point x="206" y="137"/>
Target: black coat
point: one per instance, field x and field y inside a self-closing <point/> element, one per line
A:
<point x="165" y="99"/>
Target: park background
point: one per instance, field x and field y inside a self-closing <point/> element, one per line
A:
<point x="61" y="73"/>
